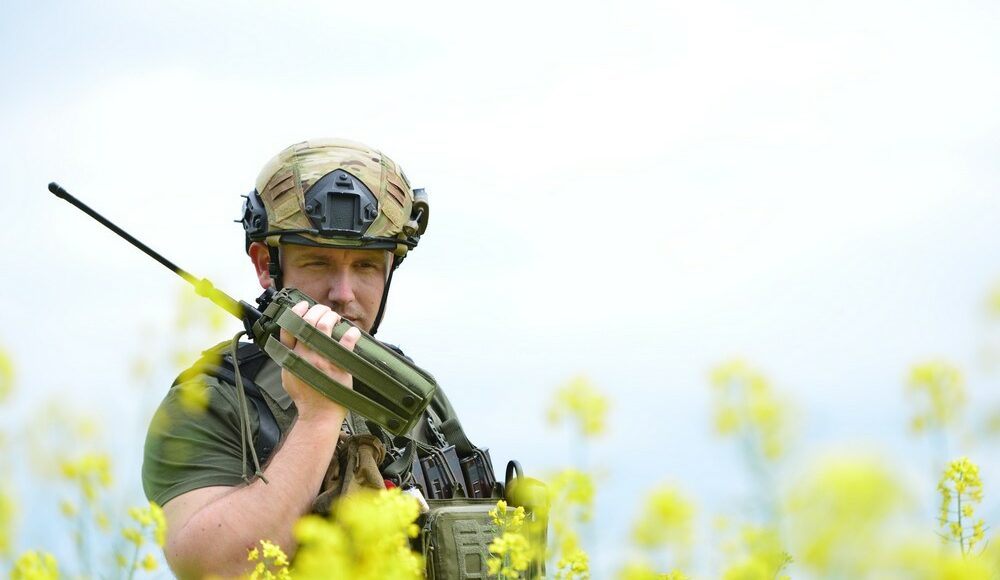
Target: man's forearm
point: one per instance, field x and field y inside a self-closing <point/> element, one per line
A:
<point x="216" y="538"/>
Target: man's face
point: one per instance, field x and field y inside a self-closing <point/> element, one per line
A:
<point x="350" y="282"/>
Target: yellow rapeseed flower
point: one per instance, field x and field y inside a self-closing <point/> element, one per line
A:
<point x="149" y="563"/>
<point x="938" y="392"/>
<point x="573" y="565"/>
<point x="993" y="302"/>
<point x="91" y="472"/>
<point x="746" y="405"/>
<point x="666" y="520"/>
<point x="6" y="375"/>
<point x="961" y="488"/>
<point x="366" y="537"/>
<point x="7" y="513"/>
<point x="760" y="556"/>
<point x="580" y="402"/>
<point x="511" y="556"/>
<point x="34" y="566"/>
<point x="272" y="563"/>
<point x="643" y="571"/>
<point x="68" y="508"/>
<point x="194" y="395"/>
<point x="133" y="536"/>
<point x="840" y="515"/>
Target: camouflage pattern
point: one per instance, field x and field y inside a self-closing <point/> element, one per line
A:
<point x="285" y="179"/>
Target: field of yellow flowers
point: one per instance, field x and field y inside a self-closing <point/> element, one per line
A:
<point x="848" y="516"/>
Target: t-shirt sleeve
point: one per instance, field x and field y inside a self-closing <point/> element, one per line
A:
<point x="194" y="440"/>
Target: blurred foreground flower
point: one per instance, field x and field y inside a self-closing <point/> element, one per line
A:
<point x="572" y="504"/>
<point x="642" y="571"/>
<point x="961" y="489"/>
<point x="7" y="512"/>
<point x="152" y="523"/>
<point x="6" y="375"/>
<point x="747" y="407"/>
<point x="939" y="394"/>
<point x="664" y="528"/>
<point x="840" y="517"/>
<point x="365" y="538"/>
<point x="34" y="566"/>
<point x="581" y="403"/>
<point x="993" y="302"/>
<point x="757" y="555"/>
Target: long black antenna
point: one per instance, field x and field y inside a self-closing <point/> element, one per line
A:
<point x="203" y="287"/>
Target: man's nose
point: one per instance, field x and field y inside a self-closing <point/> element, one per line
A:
<point x="341" y="289"/>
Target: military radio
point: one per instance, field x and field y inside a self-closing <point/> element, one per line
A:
<point x="394" y="392"/>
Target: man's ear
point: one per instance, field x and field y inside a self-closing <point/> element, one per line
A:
<point x="261" y="259"/>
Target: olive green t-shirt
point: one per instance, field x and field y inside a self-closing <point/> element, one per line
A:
<point x="194" y="437"/>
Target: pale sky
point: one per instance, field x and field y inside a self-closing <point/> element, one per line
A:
<point x="633" y="191"/>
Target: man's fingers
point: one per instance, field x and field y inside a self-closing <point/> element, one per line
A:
<point x="327" y="321"/>
<point x="315" y="313"/>
<point x="350" y="338"/>
<point x="286" y="337"/>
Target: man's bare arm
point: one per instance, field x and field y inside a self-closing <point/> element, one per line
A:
<point x="210" y="530"/>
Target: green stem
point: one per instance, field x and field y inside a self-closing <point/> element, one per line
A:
<point x="961" y="530"/>
<point x="134" y="563"/>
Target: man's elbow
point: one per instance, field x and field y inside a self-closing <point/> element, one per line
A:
<point x="198" y="557"/>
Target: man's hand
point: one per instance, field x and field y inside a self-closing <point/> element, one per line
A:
<point x="311" y="405"/>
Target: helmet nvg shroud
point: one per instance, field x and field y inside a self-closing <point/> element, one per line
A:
<point x="334" y="193"/>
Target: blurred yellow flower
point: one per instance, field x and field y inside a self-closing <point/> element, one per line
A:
<point x="746" y="406"/>
<point x="149" y="563"/>
<point x="150" y="519"/>
<point x="366" y="537"/>
<point x="572" y="566"/>
<point x="194" y="396"/>
<point x="666" y="520"/>
<point x="759" y="555"/>
<point x="91" y="472"/>
<point x="133" y="536"/>
<point x="68" y="508"/>
<point x="7" y="513"/>
<point x="6" y="375"/>
<point x="34" y="566"/>
<point x="840" y="515"/>
<point x="993" y="302"/>
<point x="938" y="392"/>
<point x="927" y="562"/>
<point x="580" y="402"/>
<point x="643" y="571"/>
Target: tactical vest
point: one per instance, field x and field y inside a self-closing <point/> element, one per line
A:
<point x="454" y="476"/>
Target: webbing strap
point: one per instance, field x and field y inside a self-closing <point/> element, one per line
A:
<point x="355" y="365"/>
<point x="330" y="388"/>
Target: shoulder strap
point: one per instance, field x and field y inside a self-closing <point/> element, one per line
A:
<point x="251" y="359"/>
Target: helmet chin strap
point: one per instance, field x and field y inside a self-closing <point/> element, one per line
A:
<point x="396" y="260"/>
<point x="274" y="266"/>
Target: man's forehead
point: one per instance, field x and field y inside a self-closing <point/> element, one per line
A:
<point x="301" y="251"/>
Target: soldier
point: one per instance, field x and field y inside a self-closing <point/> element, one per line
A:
<point x="333" y="219"/>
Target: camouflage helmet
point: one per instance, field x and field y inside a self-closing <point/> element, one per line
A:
<point x="335" y="193"/>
